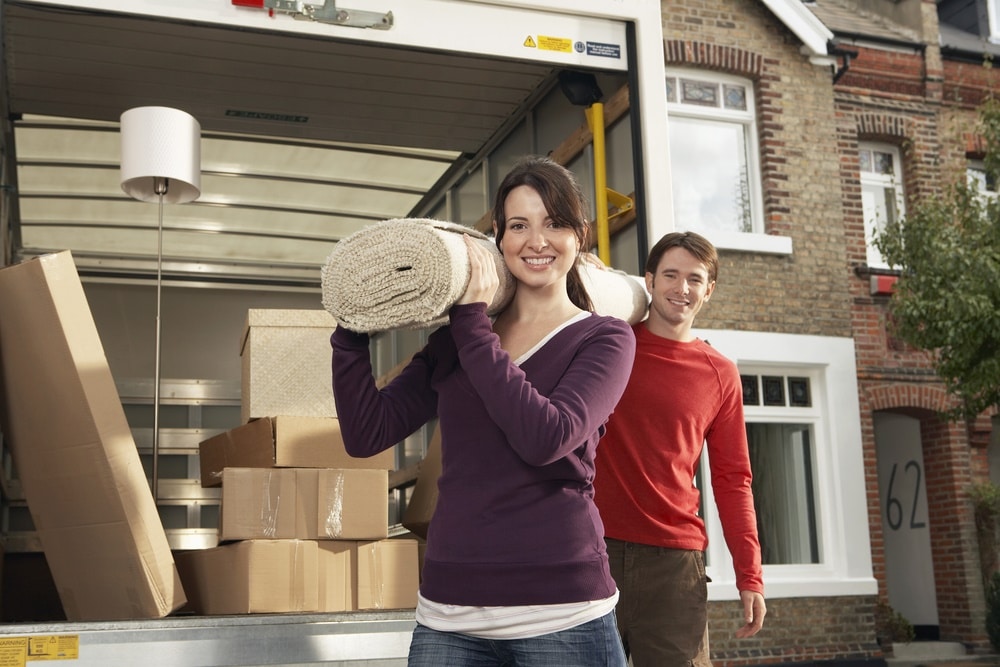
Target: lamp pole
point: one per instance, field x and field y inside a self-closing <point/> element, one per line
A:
<point x="161" y="163"/>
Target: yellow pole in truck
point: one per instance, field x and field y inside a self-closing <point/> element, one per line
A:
<point x="595" y="117"/>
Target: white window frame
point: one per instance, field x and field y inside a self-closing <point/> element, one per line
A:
<point x="756" y="239"/>
<point x="872" y="184"/>
<point x="975" y="173"/>
<point x="806" y="416"/>
<point x="845" y="565"/>
<point x="993" y="12"/>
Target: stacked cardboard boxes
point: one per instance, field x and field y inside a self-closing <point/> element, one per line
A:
<point x="303" y="525"/>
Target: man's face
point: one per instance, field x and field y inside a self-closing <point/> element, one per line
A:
<point x="679" y="288"/>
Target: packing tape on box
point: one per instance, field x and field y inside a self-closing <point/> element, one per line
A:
<point x="333" y="508"/>
<point x="297" y="577"/>
<point x="376" y="578"/>
<point x="269" y="511"/>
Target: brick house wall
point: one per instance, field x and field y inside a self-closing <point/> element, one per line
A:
<point x="807" y="292"/>
<point x="798" y="630"/>
<point x="927" y="107"/>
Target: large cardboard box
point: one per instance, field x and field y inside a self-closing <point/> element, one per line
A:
<point x="304" y="503"/>
<point x="286" y="361"/>
<point x="283" y="442"/>
<point x="423" y="498"/>
<point x="79" y="467"/>
<point x="251" y="577"/>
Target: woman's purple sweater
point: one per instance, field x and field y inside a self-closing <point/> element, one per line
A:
<point x="515" y="522"/>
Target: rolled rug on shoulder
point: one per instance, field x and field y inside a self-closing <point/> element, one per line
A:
<point x="404" y="273"/>
<point x="616" y="293"/>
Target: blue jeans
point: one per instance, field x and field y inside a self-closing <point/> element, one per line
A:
<point x="593" y="644"/>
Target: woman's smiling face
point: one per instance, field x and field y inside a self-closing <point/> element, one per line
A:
<point x="537" y="249"/>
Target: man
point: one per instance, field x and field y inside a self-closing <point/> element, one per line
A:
<point x="682" y="394"/>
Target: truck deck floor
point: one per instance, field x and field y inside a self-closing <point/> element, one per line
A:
<point x="372" y="638"/>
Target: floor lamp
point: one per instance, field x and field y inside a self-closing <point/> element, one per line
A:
<point x="161" y="163"/>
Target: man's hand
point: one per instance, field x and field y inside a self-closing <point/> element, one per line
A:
<point x="754" y="611"/>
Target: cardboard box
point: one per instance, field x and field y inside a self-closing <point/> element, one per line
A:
<point x="283" y="442"/>
<point x="79" y="467"/>
<point x="286" y="357"/>
<point x="304" y="503"/>
<point x="336" y="574"/>
<point x="278" y="576"/>
<point x="423" y="498"/>
<point x="252" y="577"/>
<point x="388" y="574"/>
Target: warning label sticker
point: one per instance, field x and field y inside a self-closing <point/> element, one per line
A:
<point x="53" y="647"/>
<point x="560" y="44"/>
<point x="604" y="50"/>
<point x="529" y="42"/>
<point x="12" y="651"/>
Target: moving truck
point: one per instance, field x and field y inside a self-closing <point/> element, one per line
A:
<point x="315" y="120"/>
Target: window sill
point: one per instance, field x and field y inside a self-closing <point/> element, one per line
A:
<point x="762" y="243"/>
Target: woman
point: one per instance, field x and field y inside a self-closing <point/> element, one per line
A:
<point x="515" y="571"/>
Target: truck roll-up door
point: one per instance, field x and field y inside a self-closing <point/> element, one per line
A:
<point x="259" y="70"/>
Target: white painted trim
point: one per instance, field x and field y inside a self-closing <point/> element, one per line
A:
<point x="879" y="46"/>
<point x="763" y="243"/>
<point x="993" y="20"/>
<point x="841" y="496"/>
<point x="806" y="26"/>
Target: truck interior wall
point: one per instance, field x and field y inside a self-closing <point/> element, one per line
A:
<point x="201" y="327"/>
<point x="541" y="132"/>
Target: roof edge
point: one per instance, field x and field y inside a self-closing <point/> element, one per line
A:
<point x="806" y="26"/>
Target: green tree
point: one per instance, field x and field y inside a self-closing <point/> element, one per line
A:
<point x="947" y="299"/>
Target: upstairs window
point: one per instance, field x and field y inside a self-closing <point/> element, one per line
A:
<point x="714" y="157"/>
<point x="980" y="179"/>
<point x="881" y="193"/>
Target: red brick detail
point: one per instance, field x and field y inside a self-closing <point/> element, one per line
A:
<point x="899" y="395"/>
<point x="975" y="145"/>
<point x="716" y="57"/>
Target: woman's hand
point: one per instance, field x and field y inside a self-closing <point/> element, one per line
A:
<point x="483" y="279"/>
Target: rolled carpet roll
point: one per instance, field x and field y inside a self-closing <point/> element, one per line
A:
<point x="403" y="273"/>
<point x="616" y="293"/>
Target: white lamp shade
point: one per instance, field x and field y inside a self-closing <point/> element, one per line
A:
<point x="160" y="143"/>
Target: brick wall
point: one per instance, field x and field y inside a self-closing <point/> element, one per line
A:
<point x="807" y="292"/>
<point x="797" y="630"/>
<point x="809" y="130"/>
<point x="900" y="99"/>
